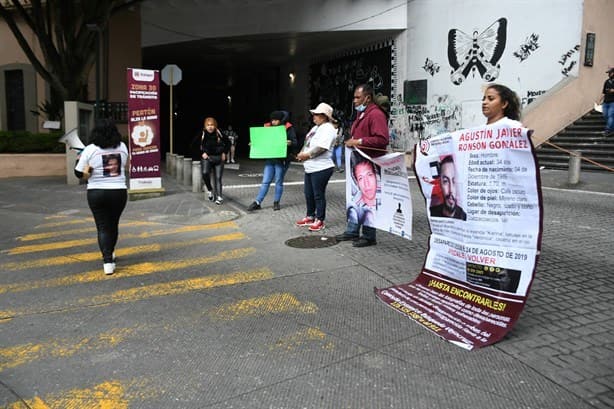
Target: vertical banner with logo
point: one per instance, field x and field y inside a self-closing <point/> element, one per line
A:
<point x="483" y="200"/>
<point x="144" y="129"/>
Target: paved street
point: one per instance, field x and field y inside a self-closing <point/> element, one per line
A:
<point x="209" y="308"/>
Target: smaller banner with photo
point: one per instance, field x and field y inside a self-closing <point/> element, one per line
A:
<point x="377" y="192"/>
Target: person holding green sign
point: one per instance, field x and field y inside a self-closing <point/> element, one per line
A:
<point x="275" y="168"/>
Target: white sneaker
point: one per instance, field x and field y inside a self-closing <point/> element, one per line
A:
<point x="109" y="268"/>
<point x="219" y="200"/>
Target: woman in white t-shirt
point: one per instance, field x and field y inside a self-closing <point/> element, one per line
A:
<point x="103" y="164"/>
<point x="316" y="156"/>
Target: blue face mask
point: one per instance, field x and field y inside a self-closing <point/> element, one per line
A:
<point x="361" y="108"/>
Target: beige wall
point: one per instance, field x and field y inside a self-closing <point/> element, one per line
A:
<point x="32" y="164"/>
<point x="574" y="97"/>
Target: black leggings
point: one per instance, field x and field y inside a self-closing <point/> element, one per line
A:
<point x="107" y="206"/>
<point x="218" y="169"/>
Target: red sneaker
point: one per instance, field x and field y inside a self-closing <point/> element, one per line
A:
<point x="305" y="221"/>
<point x="317" y="225"/>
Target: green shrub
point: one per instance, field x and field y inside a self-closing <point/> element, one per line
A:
<point x="26" y="142"/>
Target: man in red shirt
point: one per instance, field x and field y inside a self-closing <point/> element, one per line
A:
<point x="370" y="134"/>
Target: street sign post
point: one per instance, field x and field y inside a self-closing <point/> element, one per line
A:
<point x="171" y="75"/>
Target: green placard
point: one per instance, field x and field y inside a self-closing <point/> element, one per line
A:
<point x="268" y="142"/>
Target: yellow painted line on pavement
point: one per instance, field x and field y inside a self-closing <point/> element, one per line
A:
<point x="303" y="337"/>
<point x="259" y="306"/>
<point x="53" y="234"/>
<point x="127" y="271"/>
<point x="22" y="354"/>
<point x="151" y="291"/>
<point x="84" y="242"/>
<point x="123" y="252"/>
<point x="180" y="287"/>
<point x="65" y="223"/>
<point x="107" y="395"/>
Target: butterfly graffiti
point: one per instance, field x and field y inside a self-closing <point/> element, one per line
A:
<point x="479" y="52"/>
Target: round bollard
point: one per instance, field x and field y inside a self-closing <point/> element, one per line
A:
<point x="187" y="171"/>
<point x="168" y="162"/>
<point x="197" y="176"/>
<point x="172" y="161"/>
<point x="575" y="160"/>
<point x="179" y="168"/>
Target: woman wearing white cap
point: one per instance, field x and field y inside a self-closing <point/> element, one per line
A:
<point x="316" y="156"/>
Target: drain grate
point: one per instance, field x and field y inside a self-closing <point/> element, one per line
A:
<point x="311" y="242"/>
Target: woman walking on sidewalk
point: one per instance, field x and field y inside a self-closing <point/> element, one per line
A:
<point x="103" y="164"/>
<point x="214" y="147"/>
<point x="316" y="156"/>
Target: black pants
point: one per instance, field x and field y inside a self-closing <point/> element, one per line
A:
<point x="218" y="171"/>
<point x="107" y="206"/>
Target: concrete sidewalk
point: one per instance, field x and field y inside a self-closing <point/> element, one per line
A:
<point x="306" y="331"/>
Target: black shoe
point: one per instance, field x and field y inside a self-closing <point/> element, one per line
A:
<point x="345" y="237"/>
<point x="341" y="170"/>
<point x="362" y="242"/>
<point x="253" y="206"/>
<point x="276" y="206"/>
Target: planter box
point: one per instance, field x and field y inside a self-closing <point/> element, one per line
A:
<point x="32" y="164"/>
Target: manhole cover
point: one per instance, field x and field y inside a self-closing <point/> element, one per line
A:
<point x="311" y="242"/>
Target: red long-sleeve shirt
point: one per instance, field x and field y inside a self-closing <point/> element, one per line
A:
<point x="372" y="127"/>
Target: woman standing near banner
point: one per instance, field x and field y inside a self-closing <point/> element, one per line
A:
<point x="103" y="164"/>
<point x="214" y="147"/>
<point x="500" y="102"/>
<point x="316" y="156"/>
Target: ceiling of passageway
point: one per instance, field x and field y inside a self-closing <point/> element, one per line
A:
<point x="267" y="49"/>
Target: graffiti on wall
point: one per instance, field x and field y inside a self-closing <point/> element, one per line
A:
<point x="531" y="95"/>
<point x="334" y="81"/>
<point x="431" y="67"/>
<point x="478" y="52"/>
<point x="526" y="49"/>
<point x="568" y="60"/>
<point x="410" y="124"/>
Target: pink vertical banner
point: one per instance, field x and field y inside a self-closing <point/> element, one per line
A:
<point x="144" y="128"/>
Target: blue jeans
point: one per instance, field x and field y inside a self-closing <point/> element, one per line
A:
<point x="353" y="229"/>
<point x="608" y="114"/>
<point x="107" y="206"/>
<point x="273" y="168"/>
<point x="337" y="154"/>
<point x="315" y="193"/>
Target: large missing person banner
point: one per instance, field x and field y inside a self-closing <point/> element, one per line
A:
<point x="483" y="200"/>
<point x="144" y="129"/>
<point x="377" y="192"/>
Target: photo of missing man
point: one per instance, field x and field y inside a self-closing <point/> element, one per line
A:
<point x="447" y="185"/>
<point x="111" y="164"/>
<point x="365" y="189"/>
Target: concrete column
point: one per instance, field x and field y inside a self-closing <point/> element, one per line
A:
<point x="179" y="168"/>
<point x="168" y="162"/>
<point x="187" y="171"/>
<point x="575" y="160"/>
<point x="172" y="157"/>
<point x="197" y="176"/>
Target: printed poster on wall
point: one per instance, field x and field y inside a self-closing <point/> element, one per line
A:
<point x="484" y="207"/>
<point x="377" y="192"/>
<point x="144" y="128"/>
